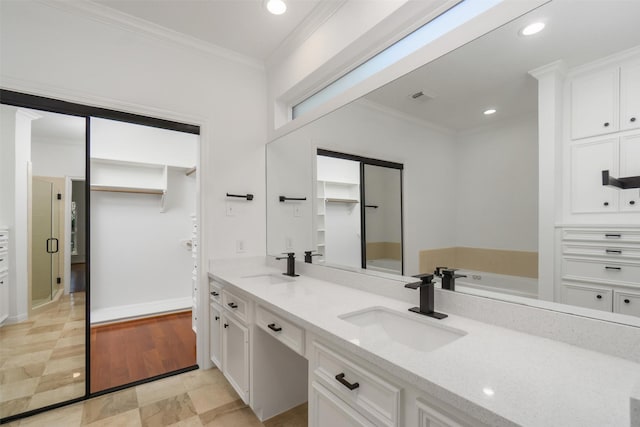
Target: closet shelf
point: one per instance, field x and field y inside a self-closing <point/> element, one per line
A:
<point x="120" y="189"/>
<point x="341" y="200"/>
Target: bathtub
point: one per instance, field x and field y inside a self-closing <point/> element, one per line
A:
<point x="385" y="265"/>
<point x="512" y="285"/>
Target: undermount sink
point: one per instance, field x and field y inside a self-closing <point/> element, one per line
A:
<point x="269" y="279"/>
<point x="379" y="325"/>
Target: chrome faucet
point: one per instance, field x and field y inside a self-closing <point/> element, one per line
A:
<point x="291" y="264"/>
<point x="449" y="278"/>
<point x="425" y="285"/>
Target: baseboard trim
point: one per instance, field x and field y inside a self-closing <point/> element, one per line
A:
<point x="125" y="312"/>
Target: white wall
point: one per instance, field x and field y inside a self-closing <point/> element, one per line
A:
<point x="56" y="158"/>
<point x="58" y="52"/>
<point x="136" y="251"/>
<point x="496" y="173"/>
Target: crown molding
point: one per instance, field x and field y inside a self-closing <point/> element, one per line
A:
<point x="310" y="24"/>
<point x="106" y="15"/>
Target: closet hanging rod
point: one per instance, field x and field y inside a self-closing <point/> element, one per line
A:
<point x="624" y="183"/>
<point x="241" y="196"/>
<point x="284" y="198"/>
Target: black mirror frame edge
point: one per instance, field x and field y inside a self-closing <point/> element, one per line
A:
<point x="24" y="100"/>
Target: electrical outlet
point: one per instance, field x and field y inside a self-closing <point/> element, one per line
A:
<point x="231" y="211"/>
<point x="297" y="211"/>
<point x="288" y="243"/>
<point x="240" y="247"/>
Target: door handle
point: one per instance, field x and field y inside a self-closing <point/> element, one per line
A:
<point x="57" y="245"/>
<point x="49" y="251"/>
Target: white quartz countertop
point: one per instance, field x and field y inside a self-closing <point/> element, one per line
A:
<point x="499" y="376"/>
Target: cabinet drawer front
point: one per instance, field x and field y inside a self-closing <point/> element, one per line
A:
<point x="610" y="252"/>
<point x="328" y="410"/>
<point x="235" y="304"/>
<point x="289" y="334"/>
<point x="626" y="302"/>
<point x="215" y="292"/>
<point x="370" y="394"/>
<point x="587" y="296"/>
<point x="602" y="235"/>
<point x="607" y="271"/>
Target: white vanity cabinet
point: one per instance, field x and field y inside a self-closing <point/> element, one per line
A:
<point x="229" y="344"/>
<point x="606" y="101"/>
<point x="4" y="274"/>
<point x="601" y="268"/>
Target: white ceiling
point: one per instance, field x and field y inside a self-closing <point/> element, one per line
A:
<point x="244" y="26"/>
<point x="492" y="71"/>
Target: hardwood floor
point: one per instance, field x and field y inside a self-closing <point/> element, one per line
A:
<point x="134" y="350"/>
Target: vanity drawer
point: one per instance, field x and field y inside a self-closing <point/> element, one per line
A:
<point x="609" y="252"/>
<point x="587" y="296"/>
<point x="215" y="291"/>
<point x="286" y="332"/>
<point x="626" y="302"/>
<point x="602" y="235"/>
<point x="235" y="304"/>
<point x="371" y="395"/>
<point x="598" y="270"/>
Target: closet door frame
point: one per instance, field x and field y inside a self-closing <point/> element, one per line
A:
<point x="24" y="100"/>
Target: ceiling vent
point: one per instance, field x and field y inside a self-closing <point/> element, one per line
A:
<point x="421" y="96"/>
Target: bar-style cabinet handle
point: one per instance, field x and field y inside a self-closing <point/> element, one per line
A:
<point x="273" y="327"/>
<point x="347" y="384"/>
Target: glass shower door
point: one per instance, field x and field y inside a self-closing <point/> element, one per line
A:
<point x="43" y="242"/>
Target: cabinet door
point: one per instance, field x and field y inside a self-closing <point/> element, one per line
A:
<point x="4" y="297"/>
<point x="587" y="163"/>
<point x="630" y="96"/>
<point x="630" y="166"/>
<point x="215" y="334"/>
<point x="326" y="410"/>
<point x="626" y="302"/>
<point x="235" y="355"/>
<point x="588" y="296"/>
<point x="595" y="104"/>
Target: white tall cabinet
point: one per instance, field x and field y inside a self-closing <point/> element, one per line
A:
<point x="599" y="233"/>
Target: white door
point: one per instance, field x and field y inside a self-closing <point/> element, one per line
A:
<point x="630" y="96"/>
<point x="587" y="163"/>
<point x="594" y="104"/>
<point x="215" y="334"/>
<point x="630" y="166"/>
<point x="235" y="358"/>
<point x="328" y="410"/>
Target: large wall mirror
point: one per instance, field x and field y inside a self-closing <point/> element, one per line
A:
<point x="43" y="221"/>
<point x="466" y="129"/>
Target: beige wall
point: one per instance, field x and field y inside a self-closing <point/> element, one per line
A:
<point x="384" y="250"/>
<point x="513" y="263"/>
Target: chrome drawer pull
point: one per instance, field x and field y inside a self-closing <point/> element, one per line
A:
<point x="613" y="251"/>
<point x="612" y="268"/>
<point x="273" y="327"/>
<point x="347" y="384"/>
<point x="613" y="236"/>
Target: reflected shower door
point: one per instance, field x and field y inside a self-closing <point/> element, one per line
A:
<point x="42" y="263"/>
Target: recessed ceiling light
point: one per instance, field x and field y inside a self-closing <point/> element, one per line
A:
<point x="489" y="112"/>
<point x="532" y="29"/>
<point x="277" y="7"/>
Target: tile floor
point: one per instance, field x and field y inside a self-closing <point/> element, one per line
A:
<point x="195" y="398"/>
<point x="42" y="360"/>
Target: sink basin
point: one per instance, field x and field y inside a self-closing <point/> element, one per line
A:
<point x="269" y="279"/>
<point x="379" y="326"/>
